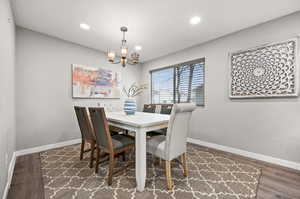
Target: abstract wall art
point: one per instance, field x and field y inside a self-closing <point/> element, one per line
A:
<point x="93" y="82"/>
<point x="266" y="71"/>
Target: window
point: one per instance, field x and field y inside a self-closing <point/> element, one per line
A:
<point x="178" y="84"/>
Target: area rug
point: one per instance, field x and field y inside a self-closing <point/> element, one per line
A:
<point x="211" y="176"/>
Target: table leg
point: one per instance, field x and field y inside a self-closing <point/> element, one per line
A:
<point x="140" y="159"/>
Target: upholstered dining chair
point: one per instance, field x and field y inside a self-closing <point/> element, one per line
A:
<point x="166" y="109"/>
<point x="173" y="145"/>
<point x="149" y="108"/>
<point x="87" y="134"/>
<point x="112" y="145"/>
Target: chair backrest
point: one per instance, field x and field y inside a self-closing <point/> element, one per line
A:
<point x="166" y="109"/>
<point x="178" y="129"/>
<point x="149" y="108"/>
<point x="101" y="128"/>
<point x="84" y="122"/>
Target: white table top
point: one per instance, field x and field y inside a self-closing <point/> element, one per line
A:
<point x="139" y="119"/>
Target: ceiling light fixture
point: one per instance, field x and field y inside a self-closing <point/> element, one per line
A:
<point x="85" y="26"/>
<point x="121" y="57"/>
<point x="195" y="20"/>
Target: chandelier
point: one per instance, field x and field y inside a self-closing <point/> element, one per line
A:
<point x="122" y="56"/>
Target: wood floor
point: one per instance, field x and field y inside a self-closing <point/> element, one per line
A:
<point x="276" y="182"/>
<point x="27" y="182"/>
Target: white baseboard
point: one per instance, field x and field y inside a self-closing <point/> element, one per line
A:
<point x="9" y="175"/>
<point x="47" y="147"/>
<point x="265" y="158"/>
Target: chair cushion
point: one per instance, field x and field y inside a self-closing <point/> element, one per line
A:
<point x="120" y="140"/>
<point x="115" y="130"/>
<point x="156" y="146"/>
<point x="157" y="132"/>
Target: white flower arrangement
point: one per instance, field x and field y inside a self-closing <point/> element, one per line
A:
<point x="134" y="90"/>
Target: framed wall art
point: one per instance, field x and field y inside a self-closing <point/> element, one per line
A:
<point x="269" y="70"/>
<point x="93" y="82"/>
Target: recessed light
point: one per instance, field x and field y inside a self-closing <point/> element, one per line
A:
<point x="195" y="20"/>
<point x="85" y="26"/>
<point x="138" y="48"/>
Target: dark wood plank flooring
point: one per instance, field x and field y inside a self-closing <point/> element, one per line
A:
<point x="276" y="182"/>
<point x="27" y="182"/>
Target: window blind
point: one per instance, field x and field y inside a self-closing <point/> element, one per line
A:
<point x="162" y="86"/>
<point x="179" y="84"/>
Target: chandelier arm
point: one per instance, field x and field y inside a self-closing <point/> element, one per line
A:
<point x="130" y="62"/>
<point x="117" y="62"/>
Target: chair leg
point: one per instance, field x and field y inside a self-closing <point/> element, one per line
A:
<point x="97" y="160"/>
<point x="92" y="154"/>
<point x="82" y="149"/>
<point x="168" y="174"/>
<point x="124" y="156"/>
<point x="184" y="164"/>
<point x="111" y="167"/>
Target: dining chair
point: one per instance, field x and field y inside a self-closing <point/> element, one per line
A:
<point x="166" y="109"/>
<point x="149" y="108"/>
<point x="173" y="145"/>
<point x="87" y="134"/>
<point x="111" y="145"/>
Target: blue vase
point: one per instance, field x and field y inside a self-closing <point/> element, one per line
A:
<point x="130" y="106"/>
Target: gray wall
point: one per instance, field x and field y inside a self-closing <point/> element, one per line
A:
<point x="7" y="88"/>
<point x="44" y="104"/>
<point x="265" y="126"/>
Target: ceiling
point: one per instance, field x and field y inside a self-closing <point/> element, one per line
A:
<point x="160" y="26"/>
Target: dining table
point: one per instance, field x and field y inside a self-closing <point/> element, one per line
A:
<point x="140" y="123"/>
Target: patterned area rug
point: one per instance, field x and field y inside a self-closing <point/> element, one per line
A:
<point x="211" y="176"/>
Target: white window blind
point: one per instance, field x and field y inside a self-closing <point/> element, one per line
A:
<point x="179" y="84"/>
<point x="163" y="86"/>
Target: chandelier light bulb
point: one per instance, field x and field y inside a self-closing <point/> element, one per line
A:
<point x="135" y="57"/>
<point x="123" y="51"/>
<point x="111" y="56"/>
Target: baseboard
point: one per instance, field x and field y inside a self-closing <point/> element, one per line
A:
<point x="47" y="147"/>
<point x="9" y="175"/>
<point x="265" y="158"/>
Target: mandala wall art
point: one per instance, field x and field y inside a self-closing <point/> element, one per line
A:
<point x="265" y="71"/>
